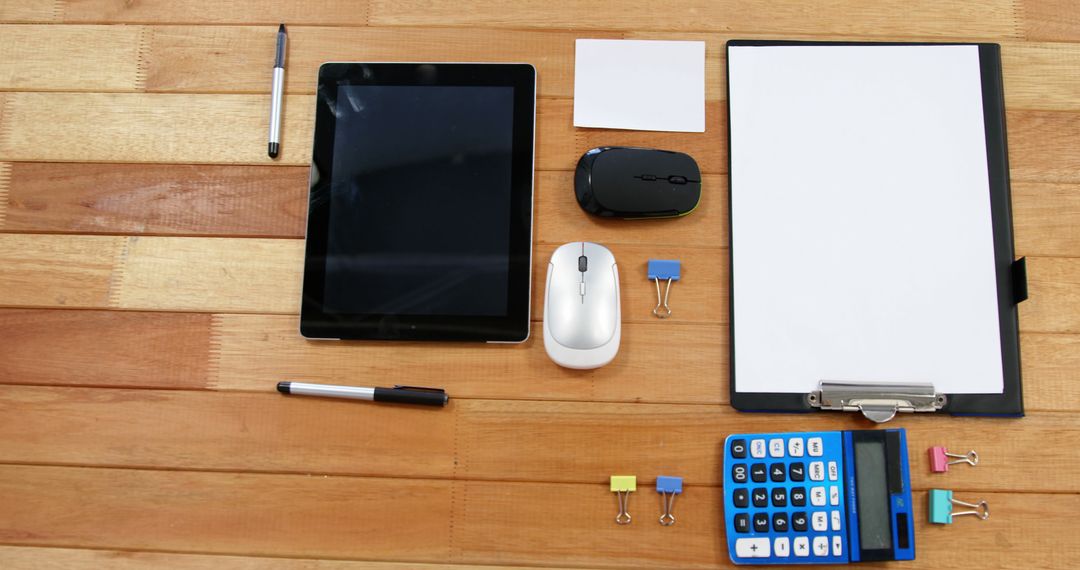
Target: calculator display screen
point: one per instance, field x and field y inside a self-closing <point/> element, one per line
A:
<point x="875" y="532"/>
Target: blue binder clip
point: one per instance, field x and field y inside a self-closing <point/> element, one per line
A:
<point x="660" y="269"/>
<point x="668" y="487"/>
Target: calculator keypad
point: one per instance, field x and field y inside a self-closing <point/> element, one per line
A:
<point x="785" y="495"/>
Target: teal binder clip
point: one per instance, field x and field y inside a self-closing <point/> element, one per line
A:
<point x="659" y="270"/>
<point x="668" y="487"/>
<point x="941" y="507"/>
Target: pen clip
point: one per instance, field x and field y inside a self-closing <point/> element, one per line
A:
<point x="419" y="388"/>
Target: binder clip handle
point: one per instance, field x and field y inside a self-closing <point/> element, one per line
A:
<point x="668" y="487"/>
<point x="622" y="486"/>
<point x="661" y="270"/>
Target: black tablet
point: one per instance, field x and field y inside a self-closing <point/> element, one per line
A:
<point x="420" y="209"/>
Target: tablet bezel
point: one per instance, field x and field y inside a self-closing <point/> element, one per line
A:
<point x="514" y="327"/>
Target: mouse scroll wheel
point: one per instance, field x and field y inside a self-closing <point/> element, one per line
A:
<point x="583" y="264"/>
<point x="677" y="179"/>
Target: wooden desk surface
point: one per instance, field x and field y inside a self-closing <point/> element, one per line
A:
<point x="150" y="259"/>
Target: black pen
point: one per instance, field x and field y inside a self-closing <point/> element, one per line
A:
<point x="276" y="92"/>
<point x="396" y="395"/>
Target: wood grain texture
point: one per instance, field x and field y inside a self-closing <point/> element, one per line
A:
<point x="50" y="558"/>
<point x="297" y="516"/>
<point x="269" y="12"/>
<point x="995" y="18"/>
<point x="104" y="348"/>
<point x="1046" y="218"/>
<point x="1056" y="20"/>
<point x="252" y="349"/>
<point x="57" y="272"/>
<point x="1050" y="362"/>
<point x="114" y="49"/>
<point x="526" y="441"/>
<point x="30" y="11"/>
<point x="129" y="127"/>
<point x="86" y="198"/>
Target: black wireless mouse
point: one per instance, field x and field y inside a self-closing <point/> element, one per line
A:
<point x="630" y="183"/>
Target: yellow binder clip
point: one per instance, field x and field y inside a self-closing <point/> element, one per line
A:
<point x="622" y="486"/>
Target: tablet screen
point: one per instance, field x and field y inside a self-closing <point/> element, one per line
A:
<point x="420" y="211"/>
<point x="419" y="220"/>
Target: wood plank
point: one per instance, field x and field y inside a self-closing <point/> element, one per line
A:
<point x="329" y="12"/>
<point x="996" y="18"/>
<point x="182" y="199"/>
<point x="150" y="127"/>
<point x="215" y="274"/>
<point x="30" y="11"/>
<point x="1041" y="145"/>
<point x="1056" y="20"/>
<point x="489" y="523"/>
<point x="1054" y="288"/>
<point x="51" y="558"/>
<point x="1050" y="362"/>
<point x="539" y="441"/>
<point x="106" y="348"/>
<point x="57" y="272"/>
<point x="230" y="128"/>
<point x="265" y="432"/>
<point x="39" y="57"/>
<point x="225" y="513"/>
<point x="1041" y="75"/>
<point x="252" y="351"/>
<point x="271" y="201"/>
<point x="216" y="59"/>
<point x="1046" y="219"/>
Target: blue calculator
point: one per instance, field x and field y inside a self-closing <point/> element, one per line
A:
<point x="827" y="497"/>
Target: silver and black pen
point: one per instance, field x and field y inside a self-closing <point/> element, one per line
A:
<point x="276" y="93"/>
<point x="395" y="395"/>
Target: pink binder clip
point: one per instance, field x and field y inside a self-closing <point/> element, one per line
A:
<point x="940" y="464"/>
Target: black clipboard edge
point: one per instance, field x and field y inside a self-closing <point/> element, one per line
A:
<point x="1011" y="273"/>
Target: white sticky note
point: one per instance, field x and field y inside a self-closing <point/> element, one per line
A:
<point x="640" y="84"/>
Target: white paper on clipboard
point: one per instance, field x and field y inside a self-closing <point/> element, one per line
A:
<point x="861" y="231"/>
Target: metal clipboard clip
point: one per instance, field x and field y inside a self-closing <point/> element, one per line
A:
<point x="878" y="401"/>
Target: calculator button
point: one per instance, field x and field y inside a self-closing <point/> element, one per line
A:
<point x="821" y="546"/>
<point x="814" y="447"/>
<point x="779" y="522"/>
<point x="835" y="515"/>
<point x="776" y="448"/>
<point x="776" y="472"/>
<point x="757" y="448"/>
<point x="742" y="522"/>
<point x="758" y="472"/>
<point x="761" y="497"/>
<point x="782" y="547"/>
<point x="817" y="471"/>
<point x="834" y="471"/>
<point x="752" y="547"/>
<point x="798" y="496"/>
<point x="738" y="472"/>
<point x="834" y="495"/>
<point x="779" y="497"/>
<point x="802" y="546"/>
<point x="795" y="447"/>
<point x="738" y="448"/>
<point x="741" y="498"/>
<point x="837" y="546"/>
<point x="797" y="472"/>
<point x="798" y="522"/>
<point x="761" y="522"/>
<point x="817" y="496"/>
<point x="819" y="522"/>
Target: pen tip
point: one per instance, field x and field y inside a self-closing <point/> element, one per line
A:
<point x="272" y="149"/>
<point x="283" y="387"/>
<point x="281" y="29"/>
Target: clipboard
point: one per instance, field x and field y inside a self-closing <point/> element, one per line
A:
<point x="871" y="243"/>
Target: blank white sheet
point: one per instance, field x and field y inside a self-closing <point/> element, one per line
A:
<point x="862" y="239"/>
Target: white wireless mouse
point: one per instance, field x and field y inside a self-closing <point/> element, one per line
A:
<point x="582" y="310"/>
